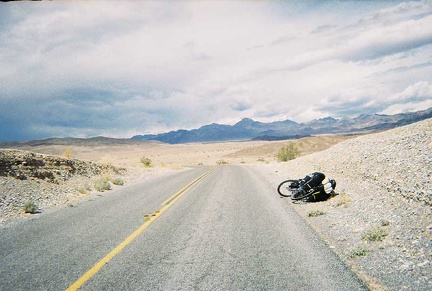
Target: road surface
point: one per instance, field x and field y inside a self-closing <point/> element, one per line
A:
<point x="222" y="228"/>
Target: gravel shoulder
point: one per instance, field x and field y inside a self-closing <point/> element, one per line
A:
<point x="384" y="182"/>
<point x="50" y="181"/>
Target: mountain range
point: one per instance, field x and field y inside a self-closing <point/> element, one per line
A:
<point x="248" y="129"/>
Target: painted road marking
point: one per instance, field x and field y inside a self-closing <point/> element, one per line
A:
<point x="174" y="197"/>
<point x="148" y="220"/>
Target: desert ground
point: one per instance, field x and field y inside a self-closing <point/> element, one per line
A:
<point x="126" y="156"/>
<point x="179" y="156"/>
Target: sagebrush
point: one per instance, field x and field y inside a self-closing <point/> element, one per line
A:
<point x="344" y="199"/>
<point x="146" y="162"/>
<point x="118" y="181"/>
<point x="68" y="152"/>
<point x="359" y="252"/>
<point x="30" y="207"/>
<point x="102" y="185"/>
<point x="316" y="213"/>
<point x="374" y="233"/>
<point x="288" y="152"/>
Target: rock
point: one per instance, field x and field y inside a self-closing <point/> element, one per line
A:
<point x="44" y="179"/>
<point x="423" y="264"/>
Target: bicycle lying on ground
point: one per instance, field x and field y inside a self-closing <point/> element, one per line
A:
<point x="311" y="188"/>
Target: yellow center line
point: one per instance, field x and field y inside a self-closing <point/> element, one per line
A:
<point x="186" y="188"/>
<point x="167" y="203"/>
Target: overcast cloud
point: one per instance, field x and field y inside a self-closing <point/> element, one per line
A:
<point x="118" y="68"/>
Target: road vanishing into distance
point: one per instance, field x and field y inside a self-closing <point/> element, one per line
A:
<point x="208" y="228"/>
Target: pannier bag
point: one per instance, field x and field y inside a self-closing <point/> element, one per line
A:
<point x="311" y="181"/>
<point x="317" y="181"/>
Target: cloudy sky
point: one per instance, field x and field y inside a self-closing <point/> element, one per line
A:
<point x="118" y="68"/>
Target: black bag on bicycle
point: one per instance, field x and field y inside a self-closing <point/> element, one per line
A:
<point x="309" y="182"/>
<point x="326" y="190"/>
<point x="312" y="180"/>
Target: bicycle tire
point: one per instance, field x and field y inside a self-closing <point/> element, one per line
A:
<point x="283" y="188"/>
<point x="305" y="195"/>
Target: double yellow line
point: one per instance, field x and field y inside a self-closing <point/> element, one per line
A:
<point x="180" y="193"/>
<point x="148" y="220"/>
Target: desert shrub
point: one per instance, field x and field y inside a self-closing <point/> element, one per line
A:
<point x="118" y="181"/>
<point x="82" y="189"/>
<point x="30" y="207"/>
<point x="315" y="213"/>
<point x="176" y="167"/>
<point x="359" y="252"/>
<point x="67" y="152"/>
<point x="222" y="162"/>
<point x="102" y="185"/>
<point x="146" y="162"/>
<point x="385" y="222"/>
<point x="288" y="152"/>
<point x="374" y="233"/>
<point x="344" y="199"/>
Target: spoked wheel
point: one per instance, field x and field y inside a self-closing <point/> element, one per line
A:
<point x="286" y="187"/>
<point x="303" y="194"/>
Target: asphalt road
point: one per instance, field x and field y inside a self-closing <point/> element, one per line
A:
<point x="228" y="230"/>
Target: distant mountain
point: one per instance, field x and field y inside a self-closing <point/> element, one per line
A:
<point x="72" y="141"/>
<point x="247" y="129"/>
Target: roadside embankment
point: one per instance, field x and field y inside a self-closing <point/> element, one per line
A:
<point x="381" y="221"/>
<point x="45" y="180"/>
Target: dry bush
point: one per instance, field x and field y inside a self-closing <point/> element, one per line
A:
<point x="374" y="233"/>
<point x="287" y="153"/>
<point x="344" y="199"/>
<point x="146" y="162"/>
<point x="30" y="207"/>
<point x="67" y="152"/>
<point x="83" y="189"/>
<point x="360" y="251"/>
<point x="118" y="181"/>
<point x="316" y="213"/>
<point x="102" y="184"/>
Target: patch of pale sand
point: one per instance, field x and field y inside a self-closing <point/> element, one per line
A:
<point x="179" y="156"/>
<point x="267" y="151"/>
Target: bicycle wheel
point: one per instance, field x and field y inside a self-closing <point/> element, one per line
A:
<point x="304" y="194"/>
<point x="286" y="187"/>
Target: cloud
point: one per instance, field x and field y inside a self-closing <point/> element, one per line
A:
<point x="364" y="44"/>
<point x="415" y="97"/>
<point x="417" y="92"/>
<point x="146" y="67"/>
<point x="390" y="40"/>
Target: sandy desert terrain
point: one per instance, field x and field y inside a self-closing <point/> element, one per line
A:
<point x="186" y="155"/>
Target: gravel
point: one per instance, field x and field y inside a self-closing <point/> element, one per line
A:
<point x="49" y="181"/>
<point x="45" y="180"/>
<point x="384" y="182"/>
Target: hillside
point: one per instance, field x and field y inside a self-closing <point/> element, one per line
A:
<point x="71" y="141"/>
<point x="384" y="182"/>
